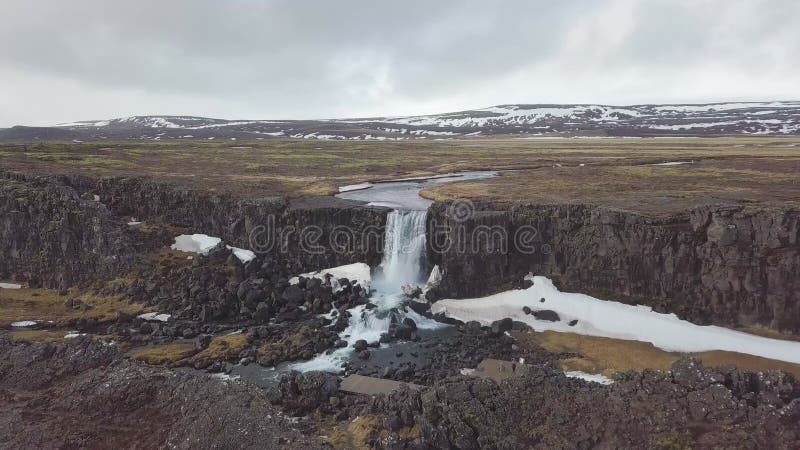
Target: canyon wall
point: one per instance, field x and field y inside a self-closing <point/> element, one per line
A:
<point x="50" y="236"/>
<point x="731" y="266"/>
<point x="53" y="233"/>
<point x="308" y="233"/>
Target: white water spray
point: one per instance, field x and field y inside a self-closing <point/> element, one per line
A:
<point x="403" y="258"/>
<point x="403" y="263"/>
<point x="404" y="248"/>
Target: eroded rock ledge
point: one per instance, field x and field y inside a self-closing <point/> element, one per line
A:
<point x="59" y="231"/>
<point x="733" y="266"/>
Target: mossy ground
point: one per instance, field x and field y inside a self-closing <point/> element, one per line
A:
<point x="358" y="433"/>
<point x="43" y="336"/>
<point x="221" y="348"/>
<point x="164" y="354"/>
<point x="609" y="357"/>
<point x="742" y="170"/>
<point x="48" y="308"/>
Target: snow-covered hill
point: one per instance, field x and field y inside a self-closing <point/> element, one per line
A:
<point x="748" y="118"/>
<point x="521" y="120"/>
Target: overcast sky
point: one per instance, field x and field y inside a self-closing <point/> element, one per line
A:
<point x="93" y="59"/>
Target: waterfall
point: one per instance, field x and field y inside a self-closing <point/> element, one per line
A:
<point x="403" y="258"/>
<point x="404" y="249"/>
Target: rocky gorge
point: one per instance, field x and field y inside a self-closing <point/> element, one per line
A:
<point x="109" y="238"/>
<point x="730" y="266"/>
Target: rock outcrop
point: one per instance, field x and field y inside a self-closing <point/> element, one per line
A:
<point x="309" y="233"/>
<point x="84" y="394"/>
<point x="58" y="231"/>
<point x="689" y="407"/>
<point x="732" y="266"/>
<point x="52" y="236"/>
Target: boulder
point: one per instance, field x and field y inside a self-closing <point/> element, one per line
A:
<point x="501" y="326"/>
<point x="547" y="315"/>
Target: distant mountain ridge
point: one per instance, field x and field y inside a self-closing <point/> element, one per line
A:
<point x="780" y="118"/>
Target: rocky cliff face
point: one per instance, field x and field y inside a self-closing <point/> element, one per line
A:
<point x="722" y="265"/>
<point x="51" y="236"/>
<point x="308" y="234"/>
<point x="58" y="231"/>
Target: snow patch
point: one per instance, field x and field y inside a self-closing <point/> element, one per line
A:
<point x="594" y="378"/>
<point x="243" y="255"/>
<point x="23" y="324"/>
<point x="613" y="320"/>
<point x="195" y="243"/>
<point x="10" y="286"/>
<point x="73" y="335"/>
<point x="355" y="187"/>
<point x="154" y="317"/>
<point x="358" y="272"/>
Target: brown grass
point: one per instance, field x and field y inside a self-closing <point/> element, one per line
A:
<point x="45" y="305"/>
<point x="740" y="170"/>
<point x="608" y="356"/>
<point x="32" y="336"/>
<point x="222" y="348"/>
<point x="164" y="354"/>
<point x="649" y="189"/>
<point x="361" y="431"/>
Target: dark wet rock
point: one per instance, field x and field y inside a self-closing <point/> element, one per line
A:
<point x="360" y="345"/>
<point x="547" y="315"/>
<point x="412" y="292"/>
<point x="420" y="307"/>
<point x="572" y="322"/>
<point x="472" y="326"/>
<point x="409" y="322"/>
<point x="301" y="393"/>
<point x="433" y="294"/>
<point x="527" y="310"/>
<point x="501" y="326"/>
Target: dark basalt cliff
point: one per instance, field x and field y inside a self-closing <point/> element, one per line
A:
<point x="732" y="266"/>
<point x="53" y="233"/>
<point x="308" y="234"/>
<point x="51" y="236"/>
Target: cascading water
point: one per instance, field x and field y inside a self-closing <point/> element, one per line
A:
<point x="403" y="262"/>
<point x="404" y="248"/>
<point x="403" y="257"/>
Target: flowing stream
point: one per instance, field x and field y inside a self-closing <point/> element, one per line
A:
<point x="403" y="263"/>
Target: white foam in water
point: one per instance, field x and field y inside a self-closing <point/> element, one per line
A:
<point x="404" y="250"/>
<point x="402" y="264"/>
<point x="405" y="245"/>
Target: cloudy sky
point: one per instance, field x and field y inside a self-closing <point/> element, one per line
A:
<point x="93" y="59"/>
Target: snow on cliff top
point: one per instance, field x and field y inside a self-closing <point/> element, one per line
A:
<point x="613" y="320"/>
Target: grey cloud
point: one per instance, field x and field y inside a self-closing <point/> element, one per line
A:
<point x="281" y="58"/>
